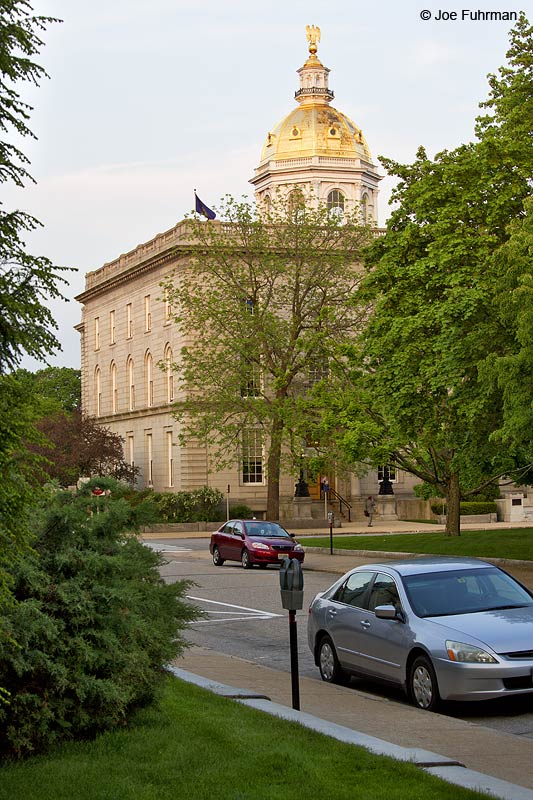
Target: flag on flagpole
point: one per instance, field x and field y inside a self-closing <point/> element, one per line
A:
<point x="201" y="208"/>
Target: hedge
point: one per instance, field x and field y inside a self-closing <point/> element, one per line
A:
<point x="466" y="508"/>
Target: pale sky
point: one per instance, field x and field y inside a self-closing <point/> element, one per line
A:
<point x="150" y="99"/>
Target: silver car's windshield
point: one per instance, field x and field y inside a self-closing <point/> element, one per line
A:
<point x="464" y="591"/>
<point x="269" y="529"/>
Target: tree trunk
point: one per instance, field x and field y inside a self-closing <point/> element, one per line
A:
<point x="273" y="470"/>
<point x="453" y="499"/>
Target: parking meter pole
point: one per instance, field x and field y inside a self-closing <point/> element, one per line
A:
<point x="331" y="520"/>
<point x="293" y="639"/>
<point x="291" y="581"/>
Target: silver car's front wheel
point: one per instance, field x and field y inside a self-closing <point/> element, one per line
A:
<point x="423" y="687"/>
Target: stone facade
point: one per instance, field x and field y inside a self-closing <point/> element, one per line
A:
<point x="129" y="341"/>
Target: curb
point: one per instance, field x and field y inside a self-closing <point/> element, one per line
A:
<point x="399" y="555"/>
<point x="441" y="766"/>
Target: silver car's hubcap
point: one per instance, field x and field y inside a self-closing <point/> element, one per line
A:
<point x="327" y="663"/>
<point x="422" y="687"/>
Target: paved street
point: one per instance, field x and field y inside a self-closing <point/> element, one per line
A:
<point x="244" y="619"/>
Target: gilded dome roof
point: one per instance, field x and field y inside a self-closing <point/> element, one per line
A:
<point x="315" y="129"/>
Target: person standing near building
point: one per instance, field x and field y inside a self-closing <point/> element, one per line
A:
<point x="370" y="507"/>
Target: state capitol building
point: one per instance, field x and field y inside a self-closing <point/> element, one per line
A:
<point x="127" y="330"/>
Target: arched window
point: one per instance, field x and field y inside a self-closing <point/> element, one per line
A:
<point x="267" y="204"/>
<point x="336" y="201"/>
<point x="169" y="374"/>
<point x="364" y="208"/>
<point x="295" y="203"/>
<point x="149" y="379"/>
<point x="114" y="388"/>
<point x="97" y="392"/>
<point x="130" y="374"/>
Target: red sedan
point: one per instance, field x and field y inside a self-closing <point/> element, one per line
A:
<point x="253" y="541"/>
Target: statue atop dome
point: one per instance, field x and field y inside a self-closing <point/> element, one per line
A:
<point x="313" y="36"/>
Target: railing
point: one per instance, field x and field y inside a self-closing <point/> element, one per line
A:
<point x="338" y="498"/>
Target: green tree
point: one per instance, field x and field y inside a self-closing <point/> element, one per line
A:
<point x="511" y="365"/>
<point x="27" y="283"/>
<point x="419" y="400"/>
<point x="59" y="387"/>
<point x="93" y="626"/>
<point x="266" y="295"/>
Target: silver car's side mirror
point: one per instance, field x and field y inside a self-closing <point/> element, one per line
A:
<point x="388" y="612"/>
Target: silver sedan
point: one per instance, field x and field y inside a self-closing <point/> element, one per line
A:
<point x="441" y="628"/>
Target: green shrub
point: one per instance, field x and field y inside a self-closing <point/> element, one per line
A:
<point x="466" y="508"/>
<point x="240" y="511"/>
<point x="199" y="505"/>
<point x="92" y="626"/>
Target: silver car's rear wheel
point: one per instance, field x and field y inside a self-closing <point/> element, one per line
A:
<point x="328" y="663"/>
<point x="423" y="687"/>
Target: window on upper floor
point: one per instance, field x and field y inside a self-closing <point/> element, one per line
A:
<point x="97" y="392"/>
<point x="130" y="374"/>
<point x="114" y="388"/>
<point x="149" y="379"/>
<point x="97" y="333"/>
<point x="147" y="314"/>
<point x="112" y="332"/>
<point x="129" y="321"/>
<point x="169" y="374"/>
<point x="335" y="202"/>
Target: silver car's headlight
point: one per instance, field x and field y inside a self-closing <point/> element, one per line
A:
<point x="459" y="651"/>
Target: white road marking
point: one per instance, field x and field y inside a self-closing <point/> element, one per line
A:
<point x="167" y="548"/>
<point x="229" y="615"/>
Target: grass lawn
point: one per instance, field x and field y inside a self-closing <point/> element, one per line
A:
<point x="194" y="745"/>
<point x="500" y="543"/>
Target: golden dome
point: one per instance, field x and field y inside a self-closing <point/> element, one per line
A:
<point x="315" y="129"/>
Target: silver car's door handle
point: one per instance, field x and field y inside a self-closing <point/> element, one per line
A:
<point x="365" y="624"/>
<point x="332" y="612"/>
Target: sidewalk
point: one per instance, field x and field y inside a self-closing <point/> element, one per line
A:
<point x="460" y="752"/>
<point x="457" y="751"/>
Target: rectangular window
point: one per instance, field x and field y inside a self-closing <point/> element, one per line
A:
<point x="252" y="456"/>
<point x="170" y="462"/>
<point x="149" y="460"/>
<point x="147" y="314"/>
<point x="97" y="333"/>
<point x="168" y="307"/>
<point x="111" y="327"/>
<point x="129" y="322"/>
<point x="387" y="471"/>
<point x="317" y="370"/>
<point x="114" y="389"/>
<point x="251" y="385"/>
<point x="130" y="449"/>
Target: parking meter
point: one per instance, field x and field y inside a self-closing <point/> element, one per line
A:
<point x="291" y="581"/>
<point x="331" y="520"/>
